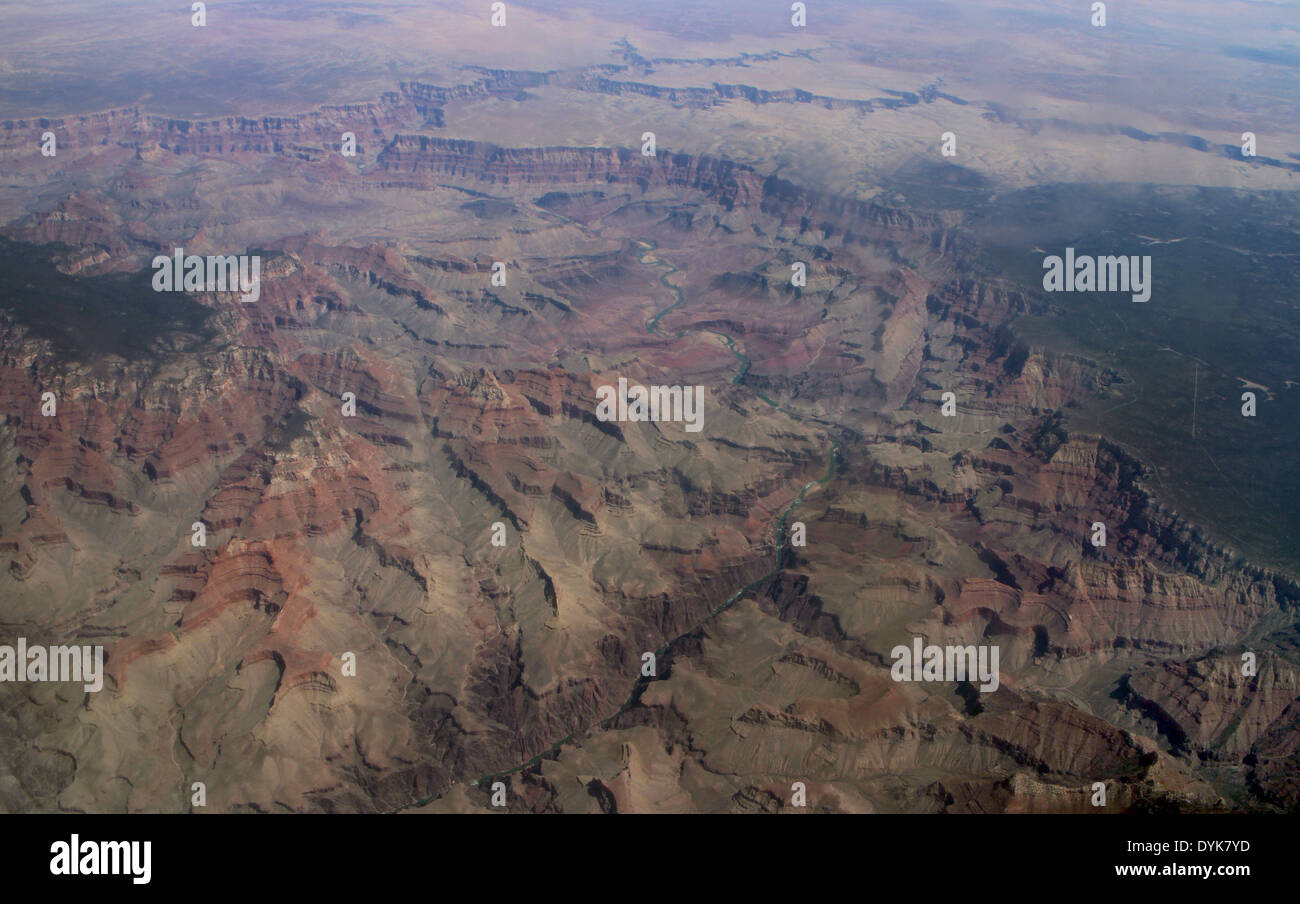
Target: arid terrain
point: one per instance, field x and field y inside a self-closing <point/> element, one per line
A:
<point x="456" y="582"/>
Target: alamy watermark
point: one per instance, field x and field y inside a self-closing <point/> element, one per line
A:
<point x="946" y="664"/>
<point x="183" y="272"/>
<point x="1108" y="273"/>
<point x="652" y="403"/>
<point x="38" y="663"/>
<point x="103" y="858"/>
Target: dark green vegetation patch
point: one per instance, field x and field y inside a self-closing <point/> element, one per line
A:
<point x="90" y="317"/>
<point x="1224" y="314"/>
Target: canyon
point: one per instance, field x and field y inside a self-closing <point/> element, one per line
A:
<point x="352" y="635"/>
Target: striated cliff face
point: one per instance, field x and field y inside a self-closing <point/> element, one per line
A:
<point x="1209" y="707"/>
<point x="497" y="560"/>
<point x="611" y="80"/>
<point x="727" y="183"/>
<point x="303" y="135"/>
